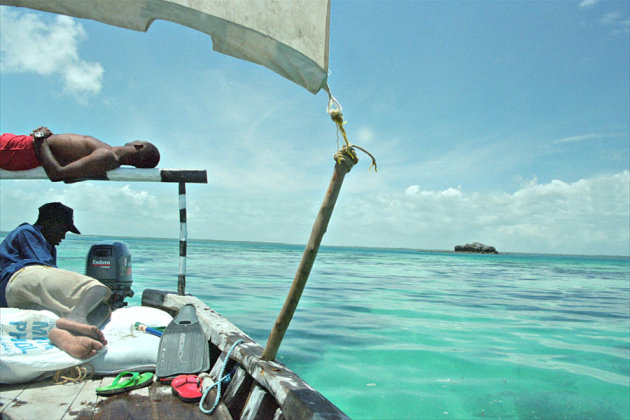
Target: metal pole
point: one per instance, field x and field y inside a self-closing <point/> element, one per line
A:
<point x="183" y="235"/>
<point x="345" y="159"/>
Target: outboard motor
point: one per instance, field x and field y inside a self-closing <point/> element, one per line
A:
<point x="110" y="263"/>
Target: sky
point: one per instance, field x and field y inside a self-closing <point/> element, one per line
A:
<point x="506" y="123"/>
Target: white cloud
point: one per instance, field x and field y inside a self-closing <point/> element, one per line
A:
<point x="610" y="18"/>
<point x="413" y="190"/>
<point x="611" y="135"/>
<point x="48" y="48"/>
<point x="615" y="19"/>
<point x="365" y="136"/>
<point x="574" y="139"/>
<point x="590" y="216"/>
<point x="588" y="3"/>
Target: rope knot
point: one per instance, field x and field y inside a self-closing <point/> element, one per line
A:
<point x="346" y="157"/>
<point x="336" y="116"/>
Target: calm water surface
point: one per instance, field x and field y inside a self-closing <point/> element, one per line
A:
<point x="397" y="334"/>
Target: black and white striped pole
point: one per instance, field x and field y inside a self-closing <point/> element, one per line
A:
<point x="183" y="234"/>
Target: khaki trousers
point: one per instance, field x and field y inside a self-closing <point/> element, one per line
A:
<point x="42" y="287"/>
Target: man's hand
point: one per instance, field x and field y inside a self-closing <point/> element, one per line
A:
<point x="44" y="130"/>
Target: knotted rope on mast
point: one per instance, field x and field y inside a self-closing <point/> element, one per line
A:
<point x="336" y="114"/>
<point x="346" y="157"/>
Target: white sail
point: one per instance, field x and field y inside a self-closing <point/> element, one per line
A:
<point x="289" y="37"/>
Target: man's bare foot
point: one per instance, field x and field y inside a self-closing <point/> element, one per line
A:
<point x="81" y="329"/>
<point x="77" y="346"/>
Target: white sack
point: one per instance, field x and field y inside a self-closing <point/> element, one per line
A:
<point x="26" y="354"/>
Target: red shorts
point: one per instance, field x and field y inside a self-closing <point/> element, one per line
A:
<point x="17" y="153"/>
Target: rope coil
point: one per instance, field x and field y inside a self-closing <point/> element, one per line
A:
<point x="74" y="374"/>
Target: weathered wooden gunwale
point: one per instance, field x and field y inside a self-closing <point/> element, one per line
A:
<point x="259" y="389"/>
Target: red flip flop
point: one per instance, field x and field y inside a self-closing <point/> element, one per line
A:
<point x="187" y="388"/>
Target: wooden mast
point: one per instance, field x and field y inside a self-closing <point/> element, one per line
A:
<point x="345" y="160"/>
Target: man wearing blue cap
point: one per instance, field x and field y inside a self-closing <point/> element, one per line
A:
<point x="30" y="279"/>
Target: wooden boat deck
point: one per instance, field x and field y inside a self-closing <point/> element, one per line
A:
<point x="43" y="400"/>
<point x="259" y="389"/>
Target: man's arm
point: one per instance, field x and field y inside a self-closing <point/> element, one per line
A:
<point x="96" y="164"/>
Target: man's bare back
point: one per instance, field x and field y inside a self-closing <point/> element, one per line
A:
<point x="68" y="148"/>
<point x="72" y="156"/>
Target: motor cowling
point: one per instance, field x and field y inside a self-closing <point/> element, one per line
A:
<point x="110" y="263"/>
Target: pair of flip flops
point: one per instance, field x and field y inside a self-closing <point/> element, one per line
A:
<point x="187" y="388"/>
<point x="135" y="381"/>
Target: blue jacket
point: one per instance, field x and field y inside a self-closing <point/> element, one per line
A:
<point x="25" y="245"/>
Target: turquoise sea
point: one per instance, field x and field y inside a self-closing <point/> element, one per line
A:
<point x="404" y="334"/>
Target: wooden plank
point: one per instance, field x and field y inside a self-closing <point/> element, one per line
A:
<point x="30" y="403"/>
<point x="184" y="175"/>
<point x="8" y="394"/>
<point x="260" y="405"/>
<point x="237" y="392"/>
<point x="155" y="402"/>
<point x="216" y="369"/>
<point x="43" y="400"/>
<point x="199" y="176"/>
<point x="221" y="412"/>
<point x="278" y="415"/>
<point x="83" y="405"/>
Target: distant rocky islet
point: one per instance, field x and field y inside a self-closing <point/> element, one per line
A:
<point x="476" y="247"/>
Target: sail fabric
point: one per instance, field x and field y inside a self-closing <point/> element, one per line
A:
<point x="288" y="37"/>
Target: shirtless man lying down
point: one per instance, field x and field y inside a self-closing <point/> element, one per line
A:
<point x="71" y="156"/>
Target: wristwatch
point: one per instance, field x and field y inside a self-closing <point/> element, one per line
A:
<point x="40" y="135"/>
